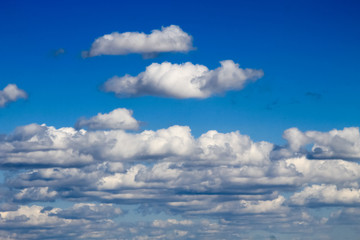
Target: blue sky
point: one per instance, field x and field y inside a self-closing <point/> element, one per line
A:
<point x="308" y="53"/>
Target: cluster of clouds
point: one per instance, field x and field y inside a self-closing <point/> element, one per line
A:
<point x="186" y="80"/>
<point x="216" y="186"/>
<point x="166" y="79"/>
<point x="226" y="177"/>
<point x="84" y="221"/>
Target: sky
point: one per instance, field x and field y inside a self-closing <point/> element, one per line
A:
<point x="179" y="119"/>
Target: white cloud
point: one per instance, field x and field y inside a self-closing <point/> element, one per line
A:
<point x="233" y="148"/>
<point x="170" y="222"/>
<point x="333" y="144"/>
<point x="120" y="118"/>
<point x="11" y="93"/>
<point x="35" y="144"/>
<point x="245" y="207"/>
<point x="183" y="80"/>
<point x="168" y="39"/>
<point x="117" y="145"/>
<point x="30" y="216"/>
<point x="36" y="194"/>
<point x="323" y="171"/>
<point x="326" y="194"/>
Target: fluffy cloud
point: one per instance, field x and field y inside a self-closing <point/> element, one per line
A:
<point x="326" y="194"/>
<point x="36" y="194"/>
<point x="342" y="144"/>
<point x="120" y="118"/>
<point x="11" y="93"/>
<point x="168" y="39"/>
<point x="35" y="144"/>
<point x="322" y="171"/>
<point x="183" y="80"/>
<point x="233" y="148"/>
<point x="29" y="216"/>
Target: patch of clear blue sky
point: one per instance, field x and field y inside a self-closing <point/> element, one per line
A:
<point x="309" y="51"/>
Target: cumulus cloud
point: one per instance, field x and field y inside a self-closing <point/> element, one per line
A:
<point x="29" y="216"/>
<point x="168" y="39"/>
<point x="120" y="118"/>
<point x="35" y="144"/>
<point x="341" y="144"/>
<point x="301" y="171"/>
<point x="36" y="194"/>
<point x="326" y="194"/>
<point x="183" y="80"/>
<point x="11" y="93"/>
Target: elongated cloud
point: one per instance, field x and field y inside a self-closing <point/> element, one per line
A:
<point x="120" y="118"/>
<point x="168" y="39"/>
<point x="327" y="194"/>
<point x="11" y="93"/>
<point x="183" y="80"/>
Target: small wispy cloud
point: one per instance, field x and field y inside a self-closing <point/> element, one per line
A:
<point x="314" y="95"/>
<point x="58" y="52"/>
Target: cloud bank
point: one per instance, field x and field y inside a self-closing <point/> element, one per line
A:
<point x="183" y="80"/>
<point x="210" y="186"/>
<point x="168" y="39"/>
<point x="11" y="93"/>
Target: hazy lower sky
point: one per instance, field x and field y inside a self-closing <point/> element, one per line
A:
<point x="179" y="120"/>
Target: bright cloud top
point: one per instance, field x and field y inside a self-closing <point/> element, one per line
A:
<point x="120" y="118"/>
<point x="168" y="39"/>
<point x="185" y="80"/>
<point x="11" y="93"/>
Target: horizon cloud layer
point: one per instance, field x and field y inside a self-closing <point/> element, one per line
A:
<point x="220" y="177"/>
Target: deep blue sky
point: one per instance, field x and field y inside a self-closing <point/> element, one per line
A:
<point x="308" y="51"/>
